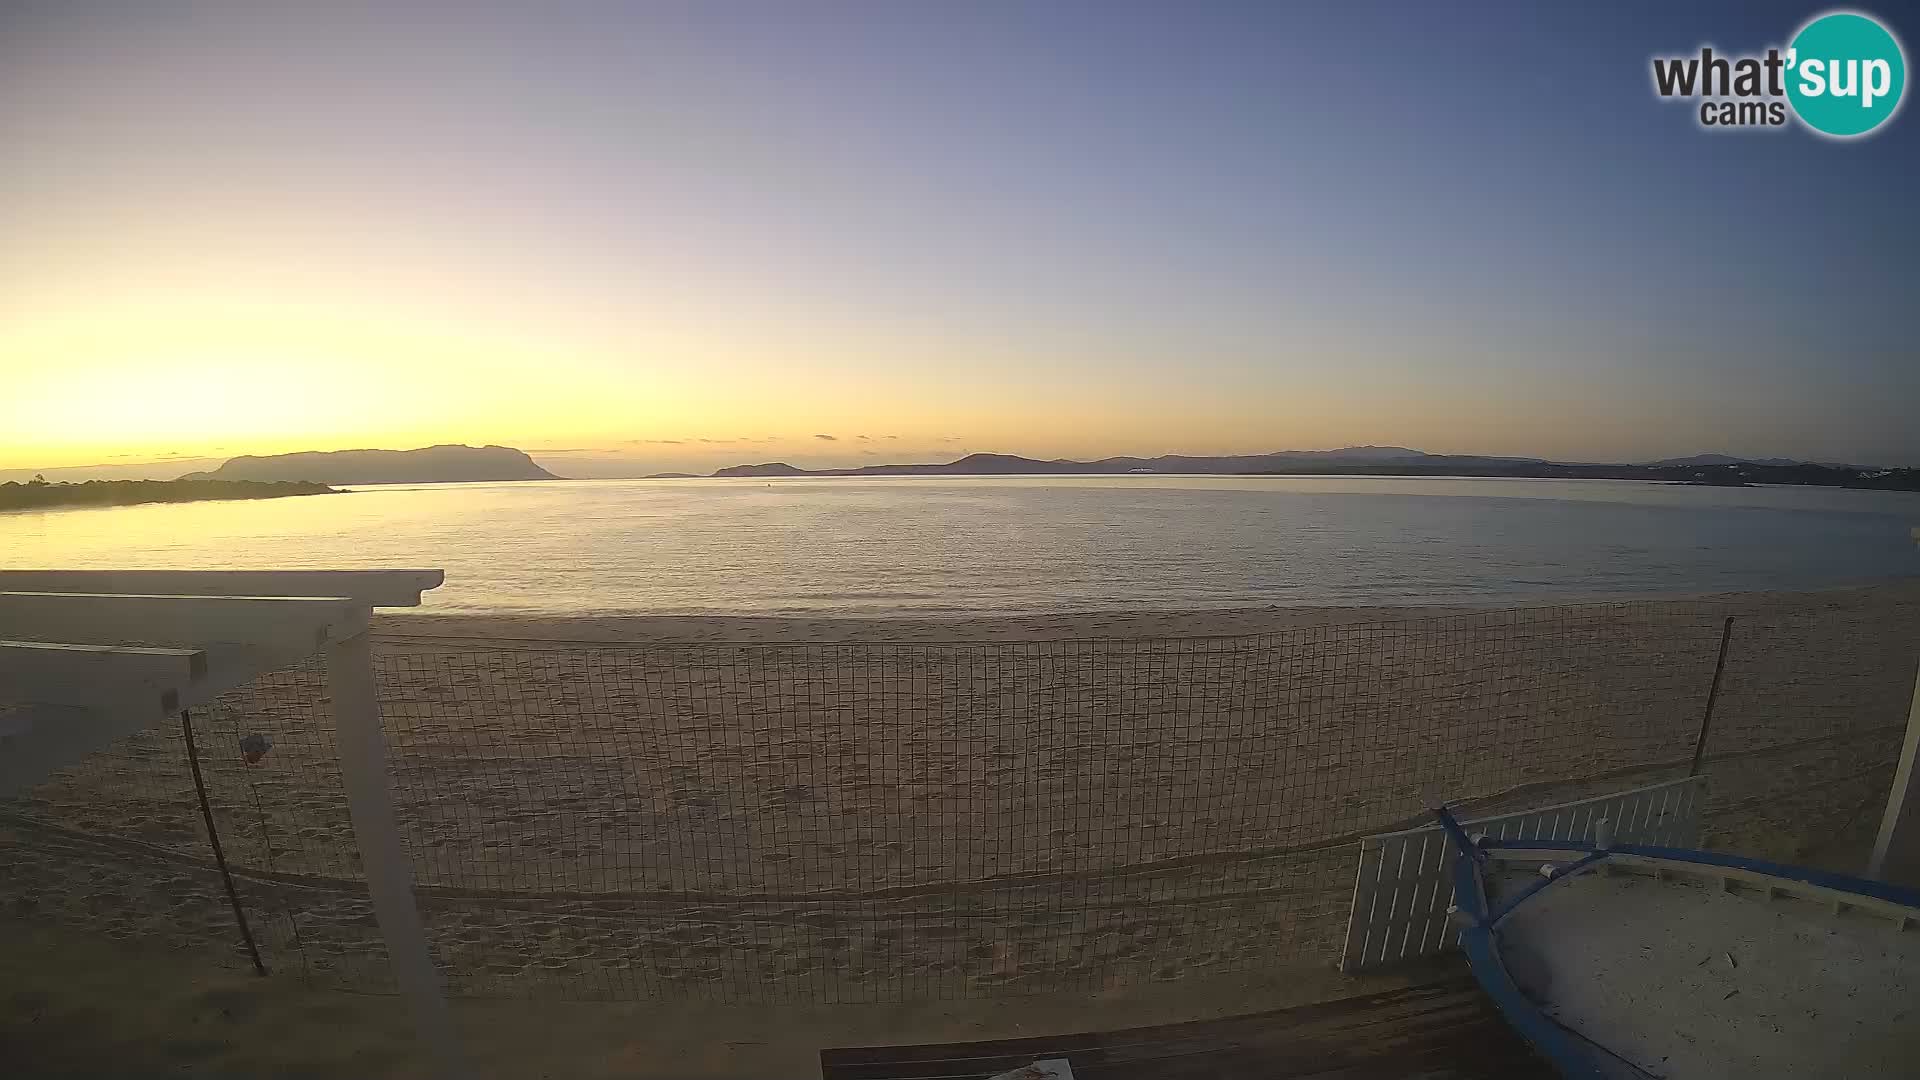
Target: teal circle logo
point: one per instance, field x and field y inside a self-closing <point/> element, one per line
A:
<point x="1846" y="74"/>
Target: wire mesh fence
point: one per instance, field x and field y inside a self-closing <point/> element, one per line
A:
<point x="862" y="822"/>
<point x="1808" y="730"/>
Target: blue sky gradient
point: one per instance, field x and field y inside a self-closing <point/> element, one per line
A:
<point x="1061" y="228"/>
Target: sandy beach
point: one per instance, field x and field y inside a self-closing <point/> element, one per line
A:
<point x="827" y="810"/>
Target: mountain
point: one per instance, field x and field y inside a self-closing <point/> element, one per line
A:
<point x="1773" y="462"/>
<point x="1351" y="458"/>
<point x="1387" y="461"/>
<point x="1697" y="459"/>
<point x="427" y="465"/>
<point x="1360" y="453"/>
<point x="1721" y="459"/>
<point x="771" y="468"/>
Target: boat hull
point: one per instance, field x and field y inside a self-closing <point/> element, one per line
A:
<point x="1635" y="961"/>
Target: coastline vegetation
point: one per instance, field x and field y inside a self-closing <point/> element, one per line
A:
<point x="38" y="493"/>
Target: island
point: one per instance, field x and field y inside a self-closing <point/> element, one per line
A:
<point x="1706" y="469"/>
<point x="444" y="464"/>
<point x="38" y="494"/>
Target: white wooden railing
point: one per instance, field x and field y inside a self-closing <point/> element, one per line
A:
<point x="87" y="656"/>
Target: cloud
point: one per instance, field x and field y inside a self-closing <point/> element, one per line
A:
<point x="948" y="438"/>
<point x="864" y="438"/>
<point x="828" y="438"/>
<point x="574" y="450"/>
<point x="657" y="442"/>
<point x="890" y="436"/>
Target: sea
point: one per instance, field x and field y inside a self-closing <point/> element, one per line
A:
<point x="935" y="546"/>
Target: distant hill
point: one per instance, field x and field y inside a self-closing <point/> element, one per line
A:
<point x="1723" y="459"/>
<point x="1362" y="458"/>
<point x="1361" y="453"/>
<point x="168" y="469"/>
<point x="427" y="465"/>
<point x="1712" y="459"/>
<point x="1386" y="461"/>
<point x="771" y="468"/>
<point x="39" y="494"/>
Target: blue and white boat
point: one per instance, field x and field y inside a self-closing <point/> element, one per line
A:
<point x="1622" y="960"/>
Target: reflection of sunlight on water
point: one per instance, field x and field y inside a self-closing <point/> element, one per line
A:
<point x="931" y="545"/>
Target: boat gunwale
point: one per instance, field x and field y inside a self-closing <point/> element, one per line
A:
<point x="1569" y="1053"/>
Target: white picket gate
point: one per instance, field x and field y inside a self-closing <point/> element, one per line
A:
<point x="1403" y="885"/>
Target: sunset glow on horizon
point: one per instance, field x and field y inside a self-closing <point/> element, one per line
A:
<point x="697" y="236"/>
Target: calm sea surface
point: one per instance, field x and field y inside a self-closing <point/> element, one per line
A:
<point x="951" y="545"/>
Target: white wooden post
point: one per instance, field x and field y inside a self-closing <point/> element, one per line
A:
<point x="363" y="764"/>
<point x="1896" y="852"/>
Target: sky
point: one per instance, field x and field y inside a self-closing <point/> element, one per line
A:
<point x="639" y="238"/>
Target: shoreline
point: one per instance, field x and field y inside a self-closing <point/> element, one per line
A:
<point x="402" y="627"/>
<point x="112" y="494"/>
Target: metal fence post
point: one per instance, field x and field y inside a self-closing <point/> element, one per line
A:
<point x="363" y="765"/>
<point x="1713" y="695"/>
<point x="1896" y="851"/>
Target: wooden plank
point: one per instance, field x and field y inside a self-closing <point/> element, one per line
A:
<point x="1439" y="1030"/>
<point x="25" y="665"/>
<point x="1366" y="876"/>
<point x="1397" y="903"/>
<point x="363" y="770"/>
<point x="298" y="625"/>
<point x="1430" y="935"/>
<point x="1448" y="982"/>
<point x="374" y="588"/>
